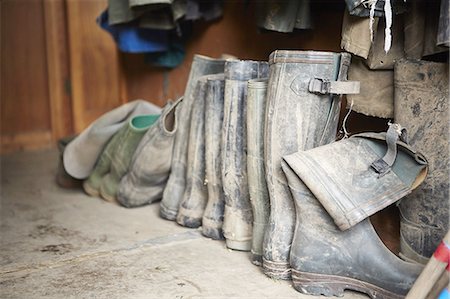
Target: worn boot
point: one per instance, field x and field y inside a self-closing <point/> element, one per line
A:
<point x="237" y="226"/>
<point x="259" y="196"/>
<point x="195" y="196"/>
<point x="213" y="215"/>
<point x="123" y="154"/>
<point x="326" y="260"/>
<point x="173" y="193"/>
<point x="301" y="114"/>
<point x="82" y="153"/>
<point x="150" y="167"/>
<point x="421" y="105"/>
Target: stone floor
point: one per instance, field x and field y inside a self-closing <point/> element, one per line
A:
<point x="58" y="243"/>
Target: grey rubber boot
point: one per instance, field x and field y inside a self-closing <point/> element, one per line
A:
<point x="259" y="196"/>
<point x="301" y="114"/>
<point x="213" y="215"/>
<point x="421" y="105"/>
<point x="326" y="260"/>
<point x="238" y="218"/>
<point x="173" y="193"/>
<point x="123" y="154"/>
<point x="149" y="170"/>
<point x="284" y="16"/>
<point x="195" y="196"/>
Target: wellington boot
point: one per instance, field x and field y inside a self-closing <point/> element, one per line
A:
<point x="259" y="196"/>
<point x="82" y="153"/>
<point x="195" y="196"/>
<point x="150" y="167"/>
<point x="173" y="193"/>
<point x="301" y="114"/>
<point x="213" y="215"/>
<point x="238" y="218"/>
<point x="120" y="161"/>
<point x="327" y="261"/>
<point x="421" y="105"/>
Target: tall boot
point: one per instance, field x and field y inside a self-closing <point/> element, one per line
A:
<point x="421" y="105"/>
<point x="237" y="225"/>
<point x="259" y="196"/>
<point x="150" y="167"/>
<point x="301" y="114"/>
<point x="173" y="193"/>
<point x="213" y="216"/>
<point x="326" y="260"/>
<point x="195" y="196"/>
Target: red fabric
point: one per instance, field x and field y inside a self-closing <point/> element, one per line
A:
<point x="442" y="254"/>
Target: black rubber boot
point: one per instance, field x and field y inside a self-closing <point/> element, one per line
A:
<point x="327" y="261"/>
<point x="422" y="106"/>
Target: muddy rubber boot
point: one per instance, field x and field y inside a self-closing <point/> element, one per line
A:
<point x="92" y="184"/>
<point x="327" y="261"/>
<point x="195" y="196"/>
<point x="213" y="215"/>
<point x="350" y="179"/>
<point x="302" y="113"/>
<point x="150" y="167"/>
<point x="238" y="218"/>
<point x="121" y="159"/>
<point x="259" y="196"/>
<point x="421" y="105"/>
<point x="82" y="153"/>
<point x="173" y="193"/>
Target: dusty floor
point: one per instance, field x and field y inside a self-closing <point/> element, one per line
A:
<point x="57" y="243"/>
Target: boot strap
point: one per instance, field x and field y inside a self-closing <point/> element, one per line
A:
<point x="394" y="133"/>
<point x="325" y="86"/>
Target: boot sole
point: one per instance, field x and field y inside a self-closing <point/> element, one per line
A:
<point x="332" y="285"/>
<point x="276" y="270"/>
<point x="90" y="190"/>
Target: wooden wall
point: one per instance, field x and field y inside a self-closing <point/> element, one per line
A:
<point x="60" y="71"/>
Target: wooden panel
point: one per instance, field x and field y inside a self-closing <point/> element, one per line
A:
<point x="94" y="63"/>
<point x="58" y="67"/>
<point x="237" y="34"/>
<point x="24" y="91"/>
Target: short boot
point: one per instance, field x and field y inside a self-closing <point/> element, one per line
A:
<point x="326" y="260"/>
<point x="123" y="154"/>
<point x="302" y="113"/>
<point x="82" y="154"/>
<point x="92" y="184"/>
<point x="150" y="167"/>
<point x="421" y="105"/>
<point x="238" y="218"/>
<point x="259" y="196"/>
<point x="195" y="196"/>
<point x="173" y="193"/>
<point x="213" y="215"/>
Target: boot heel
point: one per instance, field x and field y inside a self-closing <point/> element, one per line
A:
<point x="331" y="285"/>
<point x="276" y="270"/>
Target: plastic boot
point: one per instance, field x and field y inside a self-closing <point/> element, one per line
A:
<point x="82" y="154"/>
<point x="421" y="105"/>
<point x="213" y="216"/>
<point x="326" y="260"/>
<point x="195" y="196"/>
<point x="237" y="226"/>
<point x="150" y="167"/>
<point x="299" y="116"/>
<point x="259" y="196"/>
<point x="92" y="185"/>
<point x="173" y="193"/>
<point x="123" y="154"/>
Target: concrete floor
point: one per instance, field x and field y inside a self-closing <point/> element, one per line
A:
<point x="58" y="243"/>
